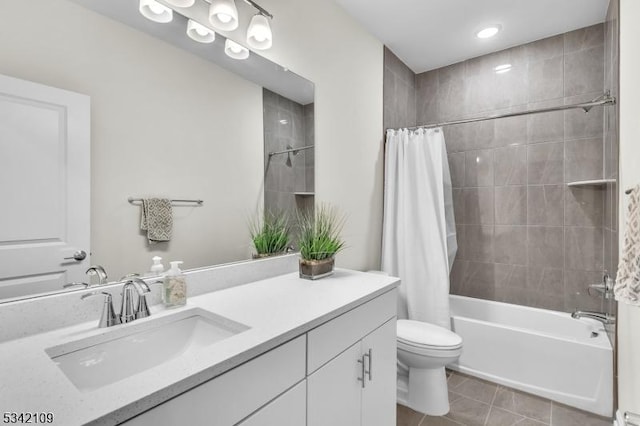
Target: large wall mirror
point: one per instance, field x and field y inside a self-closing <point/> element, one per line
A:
<point x="169" y="118"/>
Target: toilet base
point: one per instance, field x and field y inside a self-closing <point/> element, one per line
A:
<point x="427" y="391"/>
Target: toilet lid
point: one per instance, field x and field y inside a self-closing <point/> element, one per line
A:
<point x="418" y="333"/>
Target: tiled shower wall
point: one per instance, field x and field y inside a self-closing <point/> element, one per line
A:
<point x="287" y="124"/>
<point x="524" y="237"/>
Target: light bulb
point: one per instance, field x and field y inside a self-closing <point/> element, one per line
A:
<point x="234" y="50"/>
<point x="259" y="34"/>
<point x="156" y="8"/>
<point x="223" y="15"/>
<point x="155" y="11"/>
<point x="198" y="32"/>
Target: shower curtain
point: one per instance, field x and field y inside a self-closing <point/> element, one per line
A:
<point x="418" y="237"/>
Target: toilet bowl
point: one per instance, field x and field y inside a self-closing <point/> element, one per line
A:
<point x="423" y="351"/>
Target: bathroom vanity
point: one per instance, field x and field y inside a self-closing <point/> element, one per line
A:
<point x="278" y="351"/>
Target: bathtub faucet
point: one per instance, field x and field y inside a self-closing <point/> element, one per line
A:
<point x="603" y="317"/>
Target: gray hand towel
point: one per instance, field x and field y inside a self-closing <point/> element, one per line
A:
<point x="627" y="287"/>
<point x="157" y="219"/>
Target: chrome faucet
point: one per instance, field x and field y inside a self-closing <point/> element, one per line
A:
<point x="603" y="317"/>
<point x="108" y="317"/>
<point x="99" y="272"/>
<point x="127" y="312"/>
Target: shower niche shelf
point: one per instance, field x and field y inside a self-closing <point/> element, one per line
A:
<point x="594" y="182"/>
<point x="304" y="194"/>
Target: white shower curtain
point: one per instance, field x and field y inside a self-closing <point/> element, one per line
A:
<point x="418" y="237"/>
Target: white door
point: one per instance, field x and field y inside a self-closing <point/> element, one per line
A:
<point x="379" y="393"/>
<point x="334" y="392"/>
<point x="44" y="187"/>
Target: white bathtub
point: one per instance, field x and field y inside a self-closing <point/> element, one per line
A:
<point x="546" y="353"/>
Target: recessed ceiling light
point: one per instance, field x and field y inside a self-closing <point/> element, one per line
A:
<point x="488" y="32"/>
<point x="501" y="69"/>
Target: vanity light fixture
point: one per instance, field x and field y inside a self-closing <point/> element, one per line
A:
<point x="489" y="32"/>
<point x="198" y="32"/>
<point x="259" y="34"/>
<point x="234" y="50"/>
<point x="181" y="3"/>
<point x="223" y="14"/>
<point x="155" y="11"/>
<point x="501" y="69"/>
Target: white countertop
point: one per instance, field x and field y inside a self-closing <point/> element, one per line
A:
<point x="277" y="310"/>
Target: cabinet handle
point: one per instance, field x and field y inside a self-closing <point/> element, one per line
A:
<point x="369" y="357"/>
<point x="362" y="370"/>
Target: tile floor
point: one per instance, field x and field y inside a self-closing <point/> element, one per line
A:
<point x="476" y="402"/>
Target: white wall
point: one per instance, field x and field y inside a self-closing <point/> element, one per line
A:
<point x="318" y="40"/>
<point x="629" y="316"/>
<point x="164" y="123"/>
<point x="138" y="149"/>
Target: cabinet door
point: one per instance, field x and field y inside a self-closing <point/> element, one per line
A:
<point x="227" y="399"/>
<point x="379" y="393"/>
<point x="334" y="392"/>
<point x="289" y="409"/>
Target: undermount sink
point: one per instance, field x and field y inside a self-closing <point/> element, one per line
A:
<point x="132" y="348"/>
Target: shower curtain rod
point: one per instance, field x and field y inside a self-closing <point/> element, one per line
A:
<point x="605" y="99"/>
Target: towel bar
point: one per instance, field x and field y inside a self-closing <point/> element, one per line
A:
<point x="139" y="200"/>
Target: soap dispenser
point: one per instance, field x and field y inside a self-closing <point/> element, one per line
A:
<point x="157" y="268"/>
<point x="175" y="286"/>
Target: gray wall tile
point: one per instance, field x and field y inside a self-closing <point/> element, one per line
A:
<point x="456" y="169"/>
<point x="478" y="170"/>
<point x="584" y="248"/>
<point x="511" y="205"/>
<point x="478" y="243"/>
<point x="478" y="206"/>
<point x="545" y="163"/>
<point x="545" y="49"/>
<point x="584" y="206"/>
<point x="584" y="38"/>
<point x="576" y="295"/>
<point x="545" y="205"/>
<point x="546" y="79"/>
<point x="584" y="71"/>
<point x="510" y="165"/>
<point x="583" y="159"/>
<point x="510" y="131"/>
<point x="458" y="205"/>
<point x="580" y="125"/>
<point x="546" y="246"/>
<point x="510" y="245"/>
<point x="545" y="127"/>
<point x="426" y="97"/>
<point x="479" y="280"/>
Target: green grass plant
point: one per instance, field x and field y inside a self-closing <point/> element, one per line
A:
<point x="319" y="233"/>
<point x="270" y="233"/>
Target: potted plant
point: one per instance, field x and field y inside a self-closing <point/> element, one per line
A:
<point x="319" y="240"/>
<point x="269" y="234"/>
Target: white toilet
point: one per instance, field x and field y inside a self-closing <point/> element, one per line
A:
<point x="423" y="351"/>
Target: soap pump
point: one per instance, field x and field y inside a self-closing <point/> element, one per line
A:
<point x="175" y="286"/>
<point x="157" y="268"/>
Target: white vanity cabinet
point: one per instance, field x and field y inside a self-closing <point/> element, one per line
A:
<point x="342" y="372"/>
<point x="356" y="385"/>
<point x="231" y="397"/>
